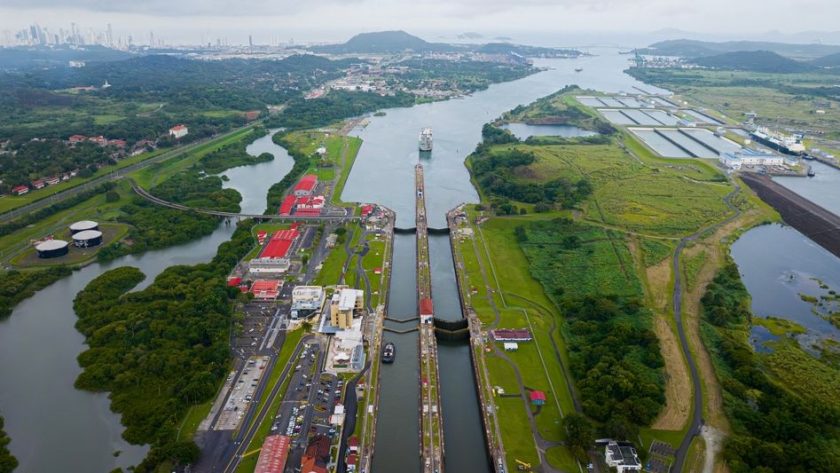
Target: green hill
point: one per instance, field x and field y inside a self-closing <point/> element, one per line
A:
<point x="692" y="49"/>
<point x="753" y="61"/>
<point x="831" y="61"/>
<point x="383" y="42"/>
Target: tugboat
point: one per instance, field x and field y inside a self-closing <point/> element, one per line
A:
<point x="426" y="139"/>
<point x="388" y="353"/>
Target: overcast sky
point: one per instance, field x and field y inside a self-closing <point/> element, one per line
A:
<point x="330" y="20"/>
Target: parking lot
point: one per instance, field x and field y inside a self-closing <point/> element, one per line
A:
<point x="242" y="393"/>
<point x="308" y="404"/>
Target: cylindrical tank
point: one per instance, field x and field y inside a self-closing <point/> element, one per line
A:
<point x="52" y="248"/>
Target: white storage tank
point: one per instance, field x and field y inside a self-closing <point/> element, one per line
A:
<point x="52" y="248"/>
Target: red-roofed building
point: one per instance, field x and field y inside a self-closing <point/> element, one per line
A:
<point x="288" y="205"/>
<point x="76" y="139"/>
<point x="273" y="454"/>
<point x="266" y="289"/>
<point x="38" y="183"/>
<point x="121" y="144"/>
<point x="234" y="281"/>
<point x="537" y="398"/>
<point x="52" y="180"/>
<point x="261" y="236"/>
<point x="317" y="455"/>
<point x="427" y="310"/>
<point x="281" y="241"/>
<point x="100" y="140"/>
<point x="252" y="115"/>
<point x="353" y="444"/>
<point x="178" y="131"/>
<point x="20" y="190"/>
<point x="306" y="185"/>
<point x="512" y="335"/>
<point x="366" y="210"/>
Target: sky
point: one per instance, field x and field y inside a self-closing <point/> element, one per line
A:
<point x="549" y="22"/>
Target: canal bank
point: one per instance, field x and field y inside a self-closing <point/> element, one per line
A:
<point x="383" y="173"/>
<point x="53" y="426"/>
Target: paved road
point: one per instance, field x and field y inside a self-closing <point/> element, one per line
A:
<point x="697" y="400"/>
<point x="113" y="176"/>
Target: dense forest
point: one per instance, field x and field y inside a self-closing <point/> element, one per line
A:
<point x="335" y="106"/>
<point x="7" y="461"/>
<point x="160" y="350"/>
<point x="44" y="158"/>
<point x="235" y="154"/>
<point x="616" y="361"/>
<point x="773" y="428"/>
<point x="493" y="169"/>
<point x="15" y="286"/>
<point x="154" y="227"/>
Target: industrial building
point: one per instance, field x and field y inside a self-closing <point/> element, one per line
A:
<point x="273" y="454"/>
<point x="265" y="289"/>
<point x="307" y="300"/>
<point x="52" y="248"/>
<point x="268" y="266"/>
<point x="306" y="186"/>
<point x="622" y="457"/>
<point x="280" y="243"/>
<point x="87" y="238"/>
<point x="343" y="305"/>
<point x="83" y="225"/>
<point x="748" y="157"/>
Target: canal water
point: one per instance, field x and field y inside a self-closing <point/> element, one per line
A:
<point x="778" y="263"/>
<point x="53" y="426"/>
<point x="384" y="173"/>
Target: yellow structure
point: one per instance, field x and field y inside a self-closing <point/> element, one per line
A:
<point x="344" y="303"/>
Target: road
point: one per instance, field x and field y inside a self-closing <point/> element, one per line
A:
<point x="113" y="176"/>
<point x="253" y="420"/>
<point x="697" y="399"/>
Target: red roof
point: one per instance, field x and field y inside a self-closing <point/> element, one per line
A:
<point x="353" y="441"/>
<point x="266" y="289"/>
<point x="273" y="455"/>
<point x="366" y="209"/>
<point x="261" y="236"/>
<point x="178" y="128"/>
<point x="280" y="243"/>
<point x="307" y="183"/>
<point x="77" y="138"/>
<point x="537" y="396"/>
<point x="351" y="459"/>
<point x="512" y="335"/>
<point x="233" y="281"/>
<point x="287" y="205"/>
<point x="427" y="307"/>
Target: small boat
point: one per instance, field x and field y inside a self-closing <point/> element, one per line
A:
<point x="811" y="172"/>
<point x="389" y="353"/>
<point x="578" y="69"/>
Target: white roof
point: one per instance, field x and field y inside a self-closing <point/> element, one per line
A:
<point x="84" y="225"/>
<point x="51" y="245"/>
<point x="347" y="299"/>
<point x="511" y="346"/>
<point x="87" y="235"/>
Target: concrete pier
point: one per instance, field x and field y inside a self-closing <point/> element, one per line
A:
<point x="431" y="424"/>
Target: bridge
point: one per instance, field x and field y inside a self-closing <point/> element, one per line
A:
<point x="431" y="421"/>
<point x="335" y="217"/>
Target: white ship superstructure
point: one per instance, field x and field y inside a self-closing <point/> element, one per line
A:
<point x="426" y="139"/>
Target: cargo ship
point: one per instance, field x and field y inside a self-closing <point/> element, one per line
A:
<point x="388" y="353"/>
<point x="426" y="139"/>
<point x="791" y="145"/>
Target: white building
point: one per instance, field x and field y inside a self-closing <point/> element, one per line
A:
<point x="748" y="157"/>
<point x="268" y="266"/>
<point x="178" y="131"/>
<point x="345" y="302"/>
<point x="307" y="300"/>
<point x="622" y="457"/>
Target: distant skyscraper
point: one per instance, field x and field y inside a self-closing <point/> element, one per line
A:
<point x="109" y="36"/>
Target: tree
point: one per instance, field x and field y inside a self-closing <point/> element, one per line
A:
<point x="580" y="436"/>
<point x="112" y="196"/>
